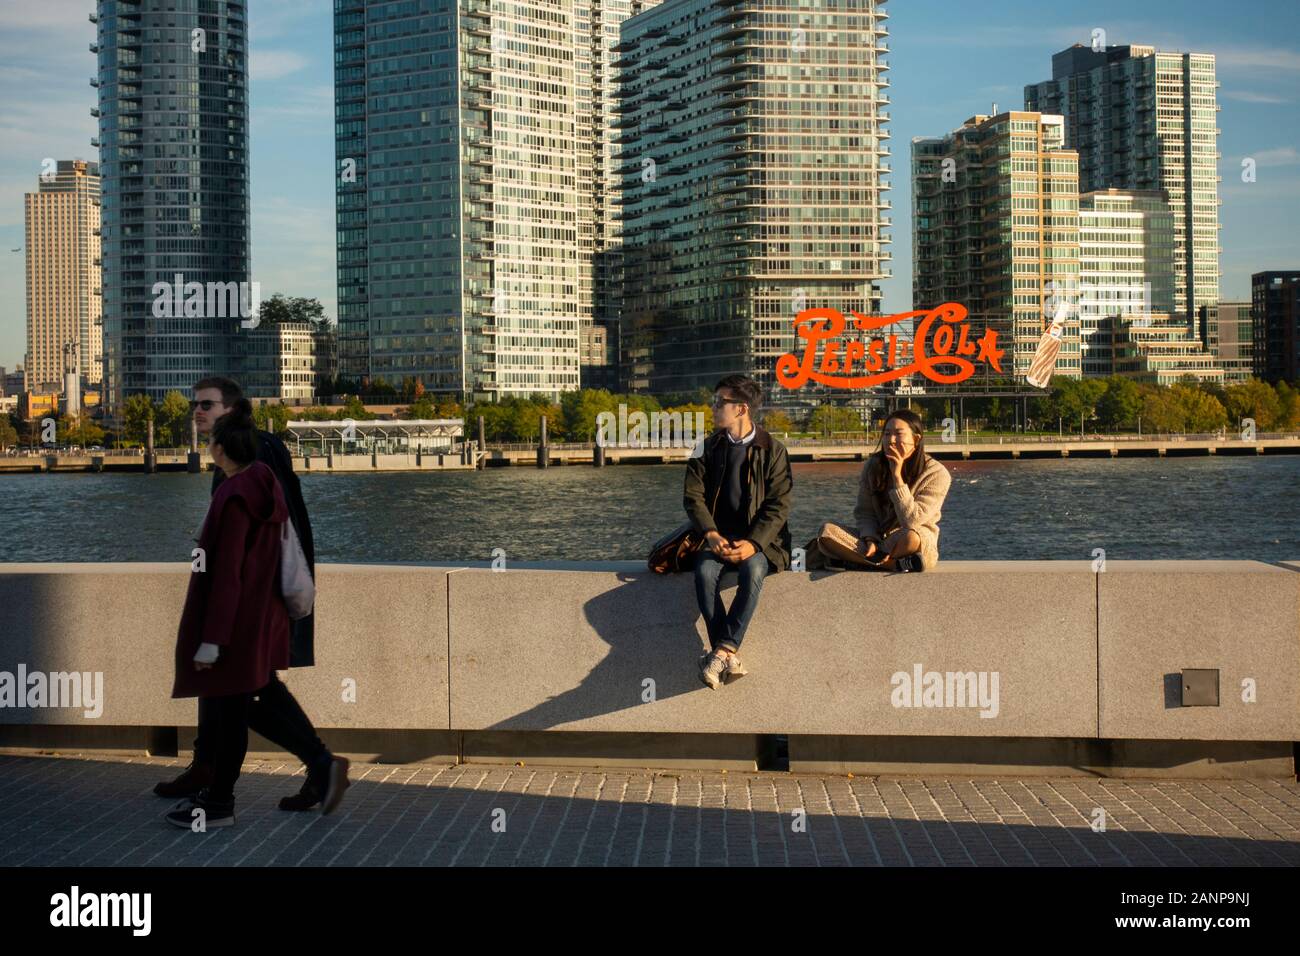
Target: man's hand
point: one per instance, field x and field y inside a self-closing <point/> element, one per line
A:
<point x="743" y="550"/>
<point x="716" y="542"/>
<point x="200" y="666"/>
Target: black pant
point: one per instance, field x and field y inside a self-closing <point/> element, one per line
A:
<point x="273" y="712"/>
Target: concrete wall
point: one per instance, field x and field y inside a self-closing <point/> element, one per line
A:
<point x="575" y="651"/>
<point x="383" y="627"/>
<point x="594" y="650"/>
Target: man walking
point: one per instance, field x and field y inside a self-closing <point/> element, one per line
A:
<point x="275" y="714"/>
<point x="738" y="493"/>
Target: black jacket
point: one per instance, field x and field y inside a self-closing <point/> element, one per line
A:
<point x="767" y="472"/>
<point x="302" y="634"/>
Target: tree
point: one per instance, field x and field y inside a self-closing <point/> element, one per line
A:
<point x="581" y="410"/>
<point x="137" y="411"/>
<point x="421" y="408"/>
<point x="1254" y="399"/>
<point x="79" y="429"/>
<point x="526" y="421"/>
<point x="1120" y="404"/>
<point x="354" y="409"/>
<point x="272" y="418"/>
<point x="280" y="308"/>
<point x="1288" y="398"/>
<point x="1181" y="408"/>
<point x="834" y="418"/>
<point x="172" y="421"/>
<point x="8" y="433"/>
<point x="778" y="422"/>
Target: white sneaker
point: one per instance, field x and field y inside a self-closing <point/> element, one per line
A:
<point x="712" y="666"/>
<point x="735" y="670"/>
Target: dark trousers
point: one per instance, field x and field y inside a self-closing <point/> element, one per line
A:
<point x="273" y="712"/>
<point x="727" y="627"/>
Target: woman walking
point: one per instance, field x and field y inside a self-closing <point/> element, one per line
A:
<point x="234" y="631"/>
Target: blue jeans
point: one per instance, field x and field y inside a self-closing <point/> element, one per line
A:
<point x="727" y="627"/>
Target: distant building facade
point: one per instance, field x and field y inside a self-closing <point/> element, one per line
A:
<point x="62" y="223"/>
<point x="1275" y="320"/>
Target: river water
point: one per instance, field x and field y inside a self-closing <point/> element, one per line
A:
<point x="1134" y="508"/>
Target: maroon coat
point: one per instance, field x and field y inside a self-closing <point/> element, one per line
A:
<point x="235" y="602"/>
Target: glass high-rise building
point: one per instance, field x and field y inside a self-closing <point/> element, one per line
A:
<point x="995" y="227"/>
<point x="1126" y="265"/>
<point x="471" y="189"/>
<point x="1147" y="120"/>
<point x="754" y="157"/>
<point x="173" y="140"/>
<point x="62" y="226"/>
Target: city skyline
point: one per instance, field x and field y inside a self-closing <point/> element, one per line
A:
<point x="946" y="65"/>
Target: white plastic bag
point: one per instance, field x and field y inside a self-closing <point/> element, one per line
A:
<point x="296" y="584"/>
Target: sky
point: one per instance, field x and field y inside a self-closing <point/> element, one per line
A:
<point x="949" y="60"/>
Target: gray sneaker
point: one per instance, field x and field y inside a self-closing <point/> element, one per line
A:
<point x="712" y="666"/>
<point x="734" y="670"/>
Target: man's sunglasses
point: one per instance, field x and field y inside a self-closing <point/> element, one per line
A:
<point x="719" y="402"/>
<point x="206" y="404"/>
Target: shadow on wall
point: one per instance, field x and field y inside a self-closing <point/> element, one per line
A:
<point x="664" y="647"/>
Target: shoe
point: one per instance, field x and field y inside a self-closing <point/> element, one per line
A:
<point x="194" y="778"/>
<point x="335" y="783"/>
<point x="712" y="666"/>
<point x="215" y="814"/>
<point x="908" y="562"/>
<point x="304" y="799"/>
<point x="735" y="670"/>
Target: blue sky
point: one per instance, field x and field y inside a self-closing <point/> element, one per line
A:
<point x="950" y="59"/>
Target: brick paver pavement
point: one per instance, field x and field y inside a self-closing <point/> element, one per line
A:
<point x="78" y="810"/>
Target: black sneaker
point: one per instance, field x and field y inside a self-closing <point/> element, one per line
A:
<point x="193" y="779"/>
<point x="336" y="782"/>
<point x="908" y="562"/>
<point x="304" y="799"/>
<point x="201" y="813"/>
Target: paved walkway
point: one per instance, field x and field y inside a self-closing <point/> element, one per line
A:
<point x="95" y="810"/>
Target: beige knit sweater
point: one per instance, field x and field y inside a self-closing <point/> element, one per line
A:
<point x="910" y="509"/>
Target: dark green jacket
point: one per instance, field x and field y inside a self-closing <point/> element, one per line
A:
<point x="767" y="473"/>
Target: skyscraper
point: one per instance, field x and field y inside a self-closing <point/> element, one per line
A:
<point x="1142" y="119"/>
<point x="1275" y="316"/>
<point x="471" y="199"/>
<point x="173" y="139"/>
<point x="63" y="276"/>
<point x="1126" y="259"/>
<point x="754" y="155"/>
<point x="995" y="227"/>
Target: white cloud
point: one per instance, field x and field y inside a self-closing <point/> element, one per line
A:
<point x="273" y="64"/>
<point x="1246" y="96"/>
<point x="1256" y="58"/>
<point x="1282" y="156"/>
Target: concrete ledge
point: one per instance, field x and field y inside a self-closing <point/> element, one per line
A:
<point x="1157" y="618"/>
<point x="381" y="627"/>
<point x="442" y="662"/>
<point x="617" y="651"/>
